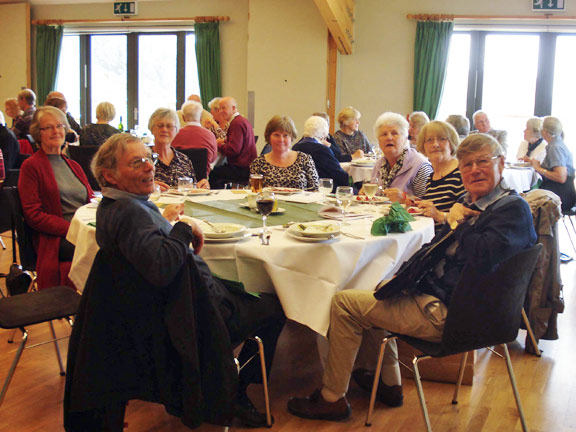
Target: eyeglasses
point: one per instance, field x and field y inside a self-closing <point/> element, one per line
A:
<point x="440" y="140"/>
<point x="139" y="163"/>
<point x="480" y="163"/>
<point x="52" y="128"/>
<point x="168" y="126"/>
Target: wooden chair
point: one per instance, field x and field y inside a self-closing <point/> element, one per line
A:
<point x="485" y="311"/>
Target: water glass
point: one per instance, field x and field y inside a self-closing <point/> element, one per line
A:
<point x="185" y="185"/>
<point x="325" y="186"/>
<point x="155" y="195"/>
<point x="344" y="197"/>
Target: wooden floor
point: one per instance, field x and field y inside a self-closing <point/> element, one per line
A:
<point x="547" y="385"/>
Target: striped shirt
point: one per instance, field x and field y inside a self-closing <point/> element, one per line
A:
<point x="445" y="192"/>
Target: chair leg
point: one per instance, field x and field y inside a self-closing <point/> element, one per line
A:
<point x="264" y="380"/>
<point x="2" y="243"/>
<point x="514" y="387"/>
<point x="460" y="376"/>
<point x="14" y="364"/>
<point x="573" y="229"/>
<point x="568" y="230"/>
<point x="531" y="333"/>
<point x="62" y="372"/>
<point x="383" y="344"/>
<point x="421" y="391"/>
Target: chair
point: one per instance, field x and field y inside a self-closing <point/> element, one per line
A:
<point x="22" y="233"/>
<point x="21" y="311"/>
<point x="83" y="155"/>
<point x="199" y="158"/>
<point x="485" y="310"/>
<point x="25" y="147"/>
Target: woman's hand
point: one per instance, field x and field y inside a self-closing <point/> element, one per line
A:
<point x="430" y="210"/>
<point x="203" y="184"/>
<point x="358" y="154"/>
<point x="535" y="164"/>
<point x="172" y="212"/>
<point x="525" y="159"/>
<point x="458" y="214"/>
<point x="163" y="186"/>
<point x="394" y="195"/>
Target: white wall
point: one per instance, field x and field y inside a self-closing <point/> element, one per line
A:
<point x="14" y="50"/>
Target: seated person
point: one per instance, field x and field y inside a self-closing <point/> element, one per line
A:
<point x="95" y="134"/>
<point x="171" y="164"/>
<point x="12" y="110"/>
<point x="160" y="319"/>
<point x="416" y="122"/>
<point x="482" y="125"/>
<point x="71" y="121"/>
<point x="313" y="143"/>
<point x="533" y="146"/>
<point x="490" y="224"/>
<point x="193" y="135"/>
<point x="10" y="147"/>
<point x="26" y="103"/>
<point x="284" y="167"/>
<point x="460" y="123"/>
<point x="51" y="188"/>
<point x="330" y="142"/>
<point x="349" y="138"/>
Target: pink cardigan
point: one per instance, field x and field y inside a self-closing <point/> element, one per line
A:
<point x="40" y="199"/>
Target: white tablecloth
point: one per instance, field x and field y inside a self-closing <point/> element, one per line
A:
<point x="305" y="276"/>
<point x="519" y="179"/>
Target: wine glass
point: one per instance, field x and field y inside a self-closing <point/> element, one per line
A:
<point x="344" y="196"/>
<point x="185" y="185"/>
<point x="325" y="186"/>
<point x="155" y="195"/>
<point x="265" y="204"/>
<point x="370" y="188"/>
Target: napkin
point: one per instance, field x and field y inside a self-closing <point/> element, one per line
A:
<point x="333" y="212"/>
<point x="397" y="221"/>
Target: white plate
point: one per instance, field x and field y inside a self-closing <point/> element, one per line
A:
<point x="321" y="229"/>
<point x="363" y="199"/>
<point x="284" y="190"/>
<point x="193" y="192"/>
<point x="363" y="162"/>
<point x="228" y="239"/>
<point x="278" y="211"/>
<point x="231" y="230"/>
<point x="312" y="239"/>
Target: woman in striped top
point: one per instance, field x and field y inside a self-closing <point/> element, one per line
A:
<point x="438" y="141"/>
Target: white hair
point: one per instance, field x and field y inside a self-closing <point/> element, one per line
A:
<point x="192" y="111"/>
<point x="316" y="127"/>
<point x="391" y="119"/>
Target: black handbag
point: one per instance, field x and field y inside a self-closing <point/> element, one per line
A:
<point x="422" y="263"/>
<point x="17" y="281"/>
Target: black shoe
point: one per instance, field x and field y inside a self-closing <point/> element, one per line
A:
<point x="316" y="407"/>
<point x="247" y="414"/>
<point x="390" y="395"/>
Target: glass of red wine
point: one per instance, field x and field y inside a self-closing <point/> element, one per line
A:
<point x="265" y="204"/>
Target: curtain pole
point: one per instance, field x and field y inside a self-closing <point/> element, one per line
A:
<point x="441" y="17"/>
<point x="198" y="19"/>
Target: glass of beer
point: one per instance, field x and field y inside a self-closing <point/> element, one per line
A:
<point x="256" y="181"/>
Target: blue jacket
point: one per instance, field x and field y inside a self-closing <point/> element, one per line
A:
<point x="326" y="163"/>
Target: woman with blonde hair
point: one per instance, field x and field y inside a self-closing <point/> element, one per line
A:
<point x="95" y="134"/>
<point x="349" y="138"/>
<point x="12" y="110"/>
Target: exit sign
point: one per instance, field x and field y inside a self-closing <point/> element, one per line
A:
<point x="125" y="8"/>
<point x="548" y="5"/>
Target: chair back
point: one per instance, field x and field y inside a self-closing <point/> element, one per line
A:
<point x="83" y="155"/>
<point x="486" y="308"/>
<point x="25" y="147"/>
<point x="21" y="230"/>
<point x="199" y="158"/>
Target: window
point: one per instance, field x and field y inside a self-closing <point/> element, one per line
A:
<point x="512" y="76"/>
<point x="137" y="72"/>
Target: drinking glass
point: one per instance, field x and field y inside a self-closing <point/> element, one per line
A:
<point x="185" y="185"/>
<point x="325" y="186"/>
<point x="155" y="195"/>
<point x="265" y="204"/>
<point x="370" y="188"/>
<point x="344" y="196"/>
<point x="256" y="181"/>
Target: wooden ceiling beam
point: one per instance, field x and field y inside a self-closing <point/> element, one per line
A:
<point x="339" y="18"/>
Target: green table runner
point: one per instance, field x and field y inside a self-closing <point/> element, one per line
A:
<point x="230" y="211"/>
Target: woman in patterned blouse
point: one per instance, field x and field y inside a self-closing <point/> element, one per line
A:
<point x="171" y="163"/>
<point x="284" y="167"/>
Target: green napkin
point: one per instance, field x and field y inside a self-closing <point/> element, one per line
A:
<point x="397" y="221"/>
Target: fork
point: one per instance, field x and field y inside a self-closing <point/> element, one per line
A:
<point x="352" y="236"/>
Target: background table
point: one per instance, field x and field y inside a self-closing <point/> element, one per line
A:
<point x="305" y="276"/>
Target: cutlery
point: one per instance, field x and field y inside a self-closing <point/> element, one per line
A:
<point x="214" y="227"/>
<point x="352" y="236"/>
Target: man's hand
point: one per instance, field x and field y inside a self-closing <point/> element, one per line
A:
<point x="394" y="194"/>
<point x="172" y="212"/>
<point x="459" y="214"/>
<point x="198" y="240"/>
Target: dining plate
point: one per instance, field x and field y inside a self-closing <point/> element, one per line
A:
<point x="284" y="190"/>
<point x="363" y="162"/>
<point x="363" y="199"/>
<point x="229" y="230"/>
<point x="192" y="192"/>
<point x="319" y="229"/>
<point x="305" y="239"/>
<point x="278" y="211"/>
<point x="228" y="239"/>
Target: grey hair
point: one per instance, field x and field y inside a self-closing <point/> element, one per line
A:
<point x="162" y="113"/>
<point x="316" y="127"/>
<point x="28" y="95"/>
<point x="324" y="116"/>
<point x="192" y="111"/>
<point x="41" y="112"/>
<point x="477" y="113"/>
<point x="108" y="154"/>
<point x="553" y="126"/>
<point x="534" y="124"/>
<point x="477" y="142"/>
<point x="460" y="123"/>
<point x="214" y="103"/>
<point x="418" y="118"/>
<point x="391" y="119"/>
<point x="105" y="111"/>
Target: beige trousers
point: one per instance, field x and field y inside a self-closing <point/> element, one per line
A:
<point x="354" y="311"/>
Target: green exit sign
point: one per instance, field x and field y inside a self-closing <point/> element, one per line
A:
<point x="548" y="5"/>
<point x="125" y="8"/>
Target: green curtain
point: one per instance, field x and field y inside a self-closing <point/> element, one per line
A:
<point x="48" y="46"/>
<point x="208" y="60"/>
<point x="430" y="62"/>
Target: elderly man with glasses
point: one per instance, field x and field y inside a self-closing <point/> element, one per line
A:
<point x="488" y="225"/>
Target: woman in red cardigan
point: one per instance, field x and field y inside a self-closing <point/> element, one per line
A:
<point x="51" y="189"/>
